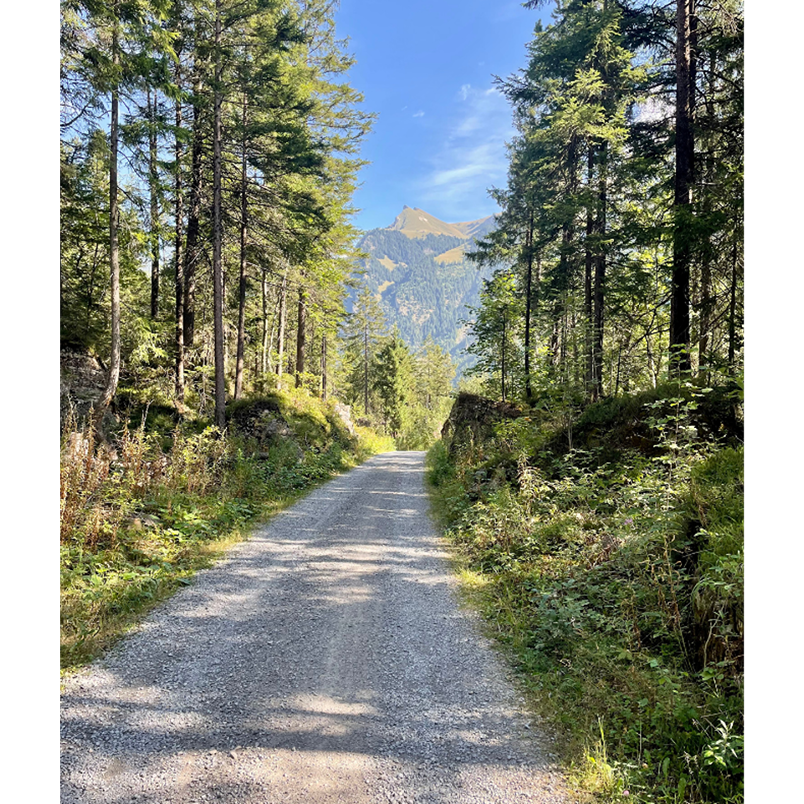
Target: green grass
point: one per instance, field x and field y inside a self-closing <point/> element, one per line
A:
<point x="138" y="523"/>
<point x="616" y="590"/>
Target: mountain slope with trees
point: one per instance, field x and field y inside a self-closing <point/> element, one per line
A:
<point x="418" y="269"/>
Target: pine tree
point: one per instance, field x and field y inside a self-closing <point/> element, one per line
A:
<point x="111" y="50"/>
<point x="620" y="183"/>
<point x="496" y="333"/>
<point x="364" y="329"/>
<point x="393" y="382"/>
<point x="259" y="76"/>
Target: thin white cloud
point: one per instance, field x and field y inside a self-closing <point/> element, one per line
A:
<point x="420" y="113"/>
<point x="509" y="11"/>
<point x="472" y="156"/>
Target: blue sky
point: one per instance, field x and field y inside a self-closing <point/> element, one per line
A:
<point x="426" y="69"/>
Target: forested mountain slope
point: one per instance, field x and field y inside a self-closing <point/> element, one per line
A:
<point x="418" y="269"/>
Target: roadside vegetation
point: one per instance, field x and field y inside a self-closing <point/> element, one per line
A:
<point x="165" y="497"/>
<point x="612" y="573"/>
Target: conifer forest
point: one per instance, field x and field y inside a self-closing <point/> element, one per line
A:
<point x="230" y="340"/>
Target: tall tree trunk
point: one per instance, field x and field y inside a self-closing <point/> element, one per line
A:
<point x="283" y="314"/>
<point x="301" y="336"/>
<point x="705" y="322"/>
<point x="684" y="176"/>
<point x="241" y="307"/>
<point x="733" y="308"/>
<point x="600" y="276"/>
<point x="588" y="264"/>
<point x="706" y="302"/>
<point x="528" y="304"/>
<point x="324" y="367"/>
<point x="264" y="339"/>
<point x="567" y="260"/>
<point x="153" y="180"/>
<point x="192" y="254"/>
<point x="179" y="212"/>
<point x="217" y="231"/>
<point x="365" y="369"/>
<point x="576" y="356"/>
<point x="114" y="247"/>
<point x="502" y="352"/>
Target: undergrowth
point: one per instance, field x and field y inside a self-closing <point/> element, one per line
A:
<point x="140" y="516"/>
<point x="617" y="588"/>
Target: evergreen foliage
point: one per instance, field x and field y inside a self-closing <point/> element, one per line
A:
<point x="239" y="139"/>
<point x="608" y="262"/>
<point x="407" y="394"/>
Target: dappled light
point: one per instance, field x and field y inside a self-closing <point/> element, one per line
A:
<point x="265" y="339"/>
<point x="316" y="658"/>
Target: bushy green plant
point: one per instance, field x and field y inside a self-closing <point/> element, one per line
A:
<point x="139" y="517"/>
<point x="614" y="577"/>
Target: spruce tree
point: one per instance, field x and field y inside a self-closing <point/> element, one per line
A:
<point x="363" y="331"/>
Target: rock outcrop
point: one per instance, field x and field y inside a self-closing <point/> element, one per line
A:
<point x="472" y="420"/>
<point x="82" y="381"/>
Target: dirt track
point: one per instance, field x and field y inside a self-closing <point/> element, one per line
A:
<point x="324" y="660"/>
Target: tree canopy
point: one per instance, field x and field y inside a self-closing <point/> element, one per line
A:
<point x="213" y="145"/>
<point x="621" y="232"/>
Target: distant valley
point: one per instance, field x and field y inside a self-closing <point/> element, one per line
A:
<point x="418" y="270"/>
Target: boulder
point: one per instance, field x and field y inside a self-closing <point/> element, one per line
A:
<point x="82" y="382"/>
<point x="472" y="420"/>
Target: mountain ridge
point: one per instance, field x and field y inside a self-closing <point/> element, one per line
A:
<point x="418" y="270"/>
<point x="415" y="222"/>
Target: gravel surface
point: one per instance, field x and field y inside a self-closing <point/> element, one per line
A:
<point x="323" y="660"/>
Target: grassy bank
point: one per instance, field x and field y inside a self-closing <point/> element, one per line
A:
<point x="139" y="517"/>
<point x="613" y="577"/>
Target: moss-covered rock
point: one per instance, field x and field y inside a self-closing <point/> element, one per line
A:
<point x="306" y="422"/>
<point x="472" y="420"/>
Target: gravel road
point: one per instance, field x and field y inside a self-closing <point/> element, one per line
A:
<point x="323" y="660"/>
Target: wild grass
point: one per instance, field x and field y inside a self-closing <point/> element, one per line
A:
<point x="140" y="517"/>
<point x="616" y="589"/>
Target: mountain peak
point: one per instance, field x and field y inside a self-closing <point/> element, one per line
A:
<point x="414" y="223"/>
